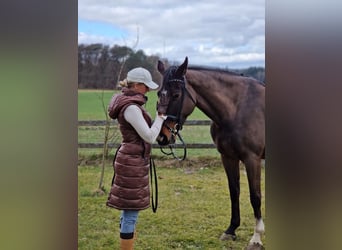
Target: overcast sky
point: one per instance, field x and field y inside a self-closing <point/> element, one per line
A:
<point x="223" y="33"/>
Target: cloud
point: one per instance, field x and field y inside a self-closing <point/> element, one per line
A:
<point x="215" y="33"/>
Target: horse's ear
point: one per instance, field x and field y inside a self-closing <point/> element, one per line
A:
<point x="182" y="68"/>
<point x="161" y="67"/>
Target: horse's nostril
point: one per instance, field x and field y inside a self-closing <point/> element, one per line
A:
<point x="162" y="140"/>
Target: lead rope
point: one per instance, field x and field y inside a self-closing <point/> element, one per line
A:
<point x="153" y="173"/>
<point x="172" y="151"/>
<point x="116" y="153"/>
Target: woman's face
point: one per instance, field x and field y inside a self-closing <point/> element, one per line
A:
<point x="141" y="88"/>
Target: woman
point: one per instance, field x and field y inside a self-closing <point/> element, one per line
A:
<point x="130" y="189"/>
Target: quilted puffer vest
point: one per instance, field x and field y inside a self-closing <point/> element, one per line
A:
<point x="130" y="189"/>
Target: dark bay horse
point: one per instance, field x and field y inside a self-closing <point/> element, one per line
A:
<point x="236" y="106"/>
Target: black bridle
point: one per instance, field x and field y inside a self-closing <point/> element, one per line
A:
<point x="175" y="131"/>
<point x="177" y="118"/>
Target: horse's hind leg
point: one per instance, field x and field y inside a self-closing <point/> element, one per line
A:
<point x="253" y="170"/>
<point x="231" y="167"/>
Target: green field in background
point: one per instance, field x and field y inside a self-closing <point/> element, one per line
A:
<point x="90" y="105"/>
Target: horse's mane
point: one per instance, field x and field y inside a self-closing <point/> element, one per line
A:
<point x="220" y="70"/>
<point x="195" y="67"/>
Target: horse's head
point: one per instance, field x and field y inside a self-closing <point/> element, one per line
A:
<point x="174" y="100"/>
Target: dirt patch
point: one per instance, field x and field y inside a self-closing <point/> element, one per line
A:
<point x="91" y="160"/>
<point x="189" y="163"/>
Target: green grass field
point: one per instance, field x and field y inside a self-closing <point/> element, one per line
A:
<point x="90" y="105"/>
<point x="193" y="211"/>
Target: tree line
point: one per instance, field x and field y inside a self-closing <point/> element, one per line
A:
<point x="101" y="66"/>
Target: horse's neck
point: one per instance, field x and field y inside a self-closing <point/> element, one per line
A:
<point x="217" y="103"/>
<point x="215" y="109"/>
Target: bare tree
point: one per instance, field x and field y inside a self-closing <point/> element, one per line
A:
<point x="107" y="136"/>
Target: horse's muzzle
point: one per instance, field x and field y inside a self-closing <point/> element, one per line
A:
<point x="163" y="140"/>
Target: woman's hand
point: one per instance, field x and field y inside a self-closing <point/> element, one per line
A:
<point x="163" y="116"/>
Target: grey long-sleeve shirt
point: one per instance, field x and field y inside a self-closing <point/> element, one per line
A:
<point x="134" y="116"/>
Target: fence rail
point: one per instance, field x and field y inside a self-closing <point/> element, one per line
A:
<point x="103" y="123"/>
<point x="114" y="145"/>
<point x="154" y="145"/>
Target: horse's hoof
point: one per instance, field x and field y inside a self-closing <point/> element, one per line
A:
<point x="255" y="246"/>
<point x="225" y="236"/>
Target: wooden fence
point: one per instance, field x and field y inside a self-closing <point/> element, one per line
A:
<point x="155" y="145"/>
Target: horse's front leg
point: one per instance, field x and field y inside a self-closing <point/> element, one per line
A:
<point x="231" y="167"/>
